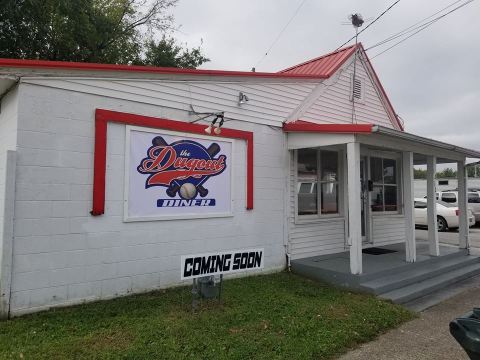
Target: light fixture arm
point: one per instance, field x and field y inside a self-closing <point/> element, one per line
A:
<point x="205" y="115"/>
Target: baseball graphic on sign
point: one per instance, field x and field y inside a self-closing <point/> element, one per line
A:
<point x="188" y="191"/>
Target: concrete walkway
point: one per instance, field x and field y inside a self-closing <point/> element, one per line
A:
<point x="425" y="338"/>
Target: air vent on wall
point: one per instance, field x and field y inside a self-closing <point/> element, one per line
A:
<point x="357" y="89"/>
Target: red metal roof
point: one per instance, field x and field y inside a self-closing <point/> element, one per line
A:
<point x="325" y="65"/>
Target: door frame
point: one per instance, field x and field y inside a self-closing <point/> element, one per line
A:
<point x="365" y="199"/>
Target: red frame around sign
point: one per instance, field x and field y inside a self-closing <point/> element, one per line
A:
<point x="103" y="117"/>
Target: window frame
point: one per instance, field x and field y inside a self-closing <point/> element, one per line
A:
<point x="339" y="182"/>
<point x="398" y="183"/>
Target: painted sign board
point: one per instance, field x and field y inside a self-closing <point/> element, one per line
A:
<point x="174" y="175"/>
<point x="199" y="265"/>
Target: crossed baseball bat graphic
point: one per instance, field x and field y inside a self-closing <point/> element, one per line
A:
<point x="212" y="150"/>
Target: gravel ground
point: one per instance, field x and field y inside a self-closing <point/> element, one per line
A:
<point x="425" y="338"/>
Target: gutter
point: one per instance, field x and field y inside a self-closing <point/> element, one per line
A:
<point x="377" y="129"/>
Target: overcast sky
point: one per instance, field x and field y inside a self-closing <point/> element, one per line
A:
<point x="432" y="78"/>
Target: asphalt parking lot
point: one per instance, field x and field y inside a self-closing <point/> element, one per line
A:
<point x="451" y="237"/>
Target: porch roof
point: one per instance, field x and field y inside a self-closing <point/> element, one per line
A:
<point x="378" y="132"/>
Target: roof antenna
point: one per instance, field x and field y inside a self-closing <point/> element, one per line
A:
<point x="357" y="21"/>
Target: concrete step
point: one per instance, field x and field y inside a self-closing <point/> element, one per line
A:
<point x="409" y="266"/>
<point x="424" y="270"/>
<point x="416" y="290"/>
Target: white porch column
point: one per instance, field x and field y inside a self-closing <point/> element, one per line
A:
<point x="463" y="229"/>
<point x="354" y="208"/>
<point x="408" y="203"/>
<point x="432" y="206"/>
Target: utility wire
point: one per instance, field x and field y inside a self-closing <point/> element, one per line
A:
<point x="370" y="24"/>
<point x="413" y="27"/>
<point x="281" y="33"/>
<point x="428" y="24"/>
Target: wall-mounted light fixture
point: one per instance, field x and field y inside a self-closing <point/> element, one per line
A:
<point x="215" y="125"/>
<point x="242" y="98"/>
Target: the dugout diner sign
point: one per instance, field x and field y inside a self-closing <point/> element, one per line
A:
<point x="194" y="266"/>
<point x="176" y="175"/>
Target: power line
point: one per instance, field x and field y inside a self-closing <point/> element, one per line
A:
<point x="412" y="27"/>
<point x="281" y="32"/>
<point x="428" y="24"/>
<point x="370" y="24"/>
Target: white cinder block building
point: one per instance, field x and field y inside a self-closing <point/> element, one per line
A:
<point x="91" y="208"/>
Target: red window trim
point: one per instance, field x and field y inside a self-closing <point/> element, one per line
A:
<point x="102" y="117"/>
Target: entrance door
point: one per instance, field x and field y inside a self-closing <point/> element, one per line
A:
<point x="364" y="198"/>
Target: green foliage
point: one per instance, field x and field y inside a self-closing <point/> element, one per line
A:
<point x="278" y="316"/>
<point x="447" y="173"/>
<point x="106" y="31"/>
<point x="419" y="174"/>
<point x="167" y="52"/>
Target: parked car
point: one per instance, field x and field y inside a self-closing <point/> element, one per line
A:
<point x="451" y="197"/>
<point x="447" y="215"/>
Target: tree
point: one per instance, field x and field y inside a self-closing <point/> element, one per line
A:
<point x="447" y="173"/>
<point x="419" y="173"/>
<point x="167" y="52"/>
<point x="108" y="31"/>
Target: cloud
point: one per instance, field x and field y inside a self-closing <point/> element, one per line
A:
<point x="432" y="79"/>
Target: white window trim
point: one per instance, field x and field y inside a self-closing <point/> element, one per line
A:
<point x="319" y="217"/>
<point x="398" y="184"/>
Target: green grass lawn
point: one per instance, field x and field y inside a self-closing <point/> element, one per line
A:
<point x="279" y="316"/>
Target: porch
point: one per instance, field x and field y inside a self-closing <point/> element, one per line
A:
<point x="365" y="198"/>
<point x="387" y="274"/>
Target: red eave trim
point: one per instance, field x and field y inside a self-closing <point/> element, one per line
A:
<point x="102" y="117"/>
<point x="65" y="65"/>
<point x="305" y="126"/>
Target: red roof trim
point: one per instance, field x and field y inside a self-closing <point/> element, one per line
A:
<point x="305" y="126"/>
<point x="102" y="117"/>
<point x="65" y="65"/>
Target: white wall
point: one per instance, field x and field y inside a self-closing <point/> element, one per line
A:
<point x="8" y="141"/>
<point x="63" y="255"/>
<point x="334" y="105"/>
<point x="316" y="237"/>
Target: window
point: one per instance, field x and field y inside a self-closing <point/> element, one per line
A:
<point x="473" y="198"/>
<point x="420" y="205"/>
<point x="317" y="167"/>
<point x="449" y="197"/>
<point x="383" y="173"/>
<point x="307" y="175"/>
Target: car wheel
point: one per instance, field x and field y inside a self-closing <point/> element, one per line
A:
<point x="441" y="224"/>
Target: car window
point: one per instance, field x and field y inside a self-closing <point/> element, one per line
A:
<point x="449" y="197"/>
<point x="473" y="198"/>
<point x="420" y="205"/>
<point x="305" y="188"/>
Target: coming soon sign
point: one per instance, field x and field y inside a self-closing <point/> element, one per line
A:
<point x="194" y="266"/>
